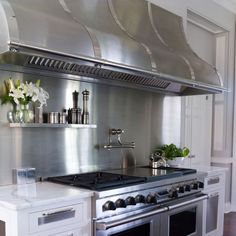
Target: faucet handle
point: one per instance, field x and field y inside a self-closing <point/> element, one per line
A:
<point x="116" y="131"/>
<point x="120" y="131"/>
<point x="113" y="131"/>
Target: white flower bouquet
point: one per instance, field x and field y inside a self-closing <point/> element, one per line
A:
<point x="23" y="93"/>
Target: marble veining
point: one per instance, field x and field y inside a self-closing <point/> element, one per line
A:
<point x="209" y="169"/>
<point x="38" y="194"/>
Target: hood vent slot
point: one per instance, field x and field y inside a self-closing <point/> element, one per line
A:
<point x="95" y="72"/>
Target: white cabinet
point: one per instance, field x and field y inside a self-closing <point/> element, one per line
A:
<point x="70" y="218"/>
<point x="214" y="206"/>
<point x="45" y="209"/>
<point x="72" y="232"/>
<point x="53" y="218"/>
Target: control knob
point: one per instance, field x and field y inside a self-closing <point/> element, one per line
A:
<point x="181" y="189"/>
<point x="174" y="194"/>
<point x="109" y="205"/>
<point x="130" y="201"/>
<point x="140" y="199"/>
<point x="195" y="186"/>
<point x="151" y="199"/>
<point x="120" y="203"/>
<point x="200" y="184"/>
<point x="187" y="188"/>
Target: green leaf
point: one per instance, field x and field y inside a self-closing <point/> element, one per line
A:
<point x="185" y="152"/>
<point x="38" y="83"/>
<point x="171" y="151"/>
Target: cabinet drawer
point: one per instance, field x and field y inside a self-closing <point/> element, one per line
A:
<point x="75" y="232"/>
<point x="57" y="217"/>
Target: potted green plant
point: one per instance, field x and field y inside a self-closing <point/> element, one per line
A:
<point x="174" y="156"/>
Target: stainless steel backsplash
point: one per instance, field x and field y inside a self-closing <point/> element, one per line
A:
<point x="149" y="119"/>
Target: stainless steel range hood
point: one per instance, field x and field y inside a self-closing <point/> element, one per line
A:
<point x="129" y="43"/>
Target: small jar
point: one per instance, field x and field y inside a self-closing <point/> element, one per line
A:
<point x="53" y="117"/>
<point x="62" y="117"/>
<point x="74" y="116"/>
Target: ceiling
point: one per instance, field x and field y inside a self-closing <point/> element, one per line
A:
<point x="228" y="4"/>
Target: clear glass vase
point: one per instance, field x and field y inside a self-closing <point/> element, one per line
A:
<point x="23" y="114"/>
<point x="10" y="116"/>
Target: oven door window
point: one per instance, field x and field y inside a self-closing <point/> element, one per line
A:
<point x="149" y="226"/>
<point x="183" y="223"/>
<point x="143" y="230"/>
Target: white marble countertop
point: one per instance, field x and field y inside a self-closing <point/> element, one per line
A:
<point x="209" y="169"/>
<point x="17" y="197"/>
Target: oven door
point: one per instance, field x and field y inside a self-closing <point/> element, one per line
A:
<point x="145" y="224"/>
<point x="184" y="218"/>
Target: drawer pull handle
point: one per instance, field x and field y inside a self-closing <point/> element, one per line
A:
<point x="58" y="212"/>
<point x="213" y="195"/>
<point x="51" y="217"/>
<point x="213" y="181"/>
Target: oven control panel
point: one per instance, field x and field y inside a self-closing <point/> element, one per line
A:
<point x="145" y="198"/>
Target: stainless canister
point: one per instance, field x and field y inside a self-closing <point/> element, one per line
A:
<point x="38" y="118"/>
<point x="62" y="118"/>
<point x="74" y="116"/>
<point x="53" y="117"/>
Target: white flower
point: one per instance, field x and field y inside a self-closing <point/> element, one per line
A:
<point x="26" y="92"/>
<point x="16" y="94"/>
<point x="30" y="89"/>
<point x="42" y="97"/>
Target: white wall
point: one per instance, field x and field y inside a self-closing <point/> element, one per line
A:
<point x="206" y="8"/>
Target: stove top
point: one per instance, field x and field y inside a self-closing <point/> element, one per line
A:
<point x="97" y="180"/>
<point x="184" y="171"/>
<point x="100" y="181"/>
<point x="154" y="174"/>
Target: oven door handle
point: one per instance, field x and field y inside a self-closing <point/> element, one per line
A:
<point x="107" y="225"/>
<point x="185" y="203"/>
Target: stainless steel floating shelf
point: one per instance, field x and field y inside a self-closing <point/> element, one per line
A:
<point x="47" y="125"/>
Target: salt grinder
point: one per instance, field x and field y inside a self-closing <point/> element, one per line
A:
<point x="85" y="114"/>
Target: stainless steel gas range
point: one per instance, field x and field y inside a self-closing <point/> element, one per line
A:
<point x="144" y="201"/>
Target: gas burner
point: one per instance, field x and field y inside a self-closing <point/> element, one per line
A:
<point x="97" y="180"/>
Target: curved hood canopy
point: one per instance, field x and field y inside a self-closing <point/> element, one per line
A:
<point x="131" y="43"/>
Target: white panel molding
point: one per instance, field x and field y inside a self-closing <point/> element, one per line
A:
<point x="222" y="160"/>
<point x="228" y="207"/>
<point x="232" y="208"/>
<point x="228" y="4"/>
<point x="234" y="159"/>
<point x="233" y="190"/>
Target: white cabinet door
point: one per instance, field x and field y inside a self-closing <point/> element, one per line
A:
<point x="214" y="206"/>
<point x="198" y="128"/>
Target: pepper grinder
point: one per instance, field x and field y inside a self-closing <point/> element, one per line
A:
<point x="75" y="95"/>
<point x="74" y="114"/>
<point x="85" y="114"/>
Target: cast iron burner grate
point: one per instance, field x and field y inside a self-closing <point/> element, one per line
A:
<point x="97" y="180"/>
